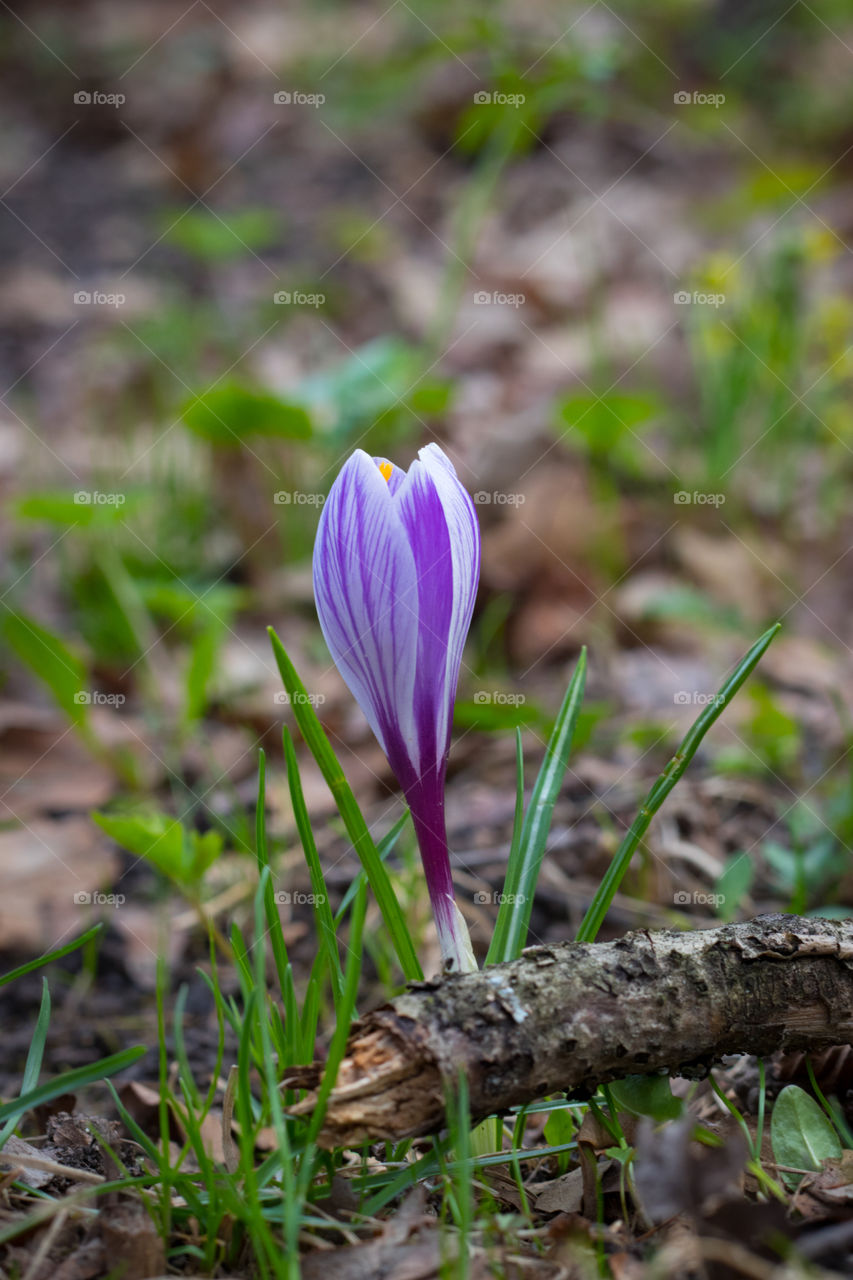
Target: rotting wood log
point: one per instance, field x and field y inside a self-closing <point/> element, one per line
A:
<point x="572" y="1016"/>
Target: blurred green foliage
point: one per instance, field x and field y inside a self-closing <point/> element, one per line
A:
<point x="214" y="238"/>
<point x="181" y="854"/>
<point x="231" y="415"/>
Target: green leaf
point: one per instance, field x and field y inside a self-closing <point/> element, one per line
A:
<point x="51" y="660"/>
<point x="344" y="1014"/>
<point x="365" y="384"/>
<point x="50" y="956"/>
<point x="734" y="884"/>
<point x="32" y="1068"/>
<point x="526" y="857"/>
<point x="322" y="911"/>
<point x="201" y="669"/>
<point x="384" y="848"/>
<point x="162" y="840"/>
<point x="671" y="775"/>
<point x="356" y="827"/>
<point x="204" y="848"/>
<point x="487" y="715"/>
<point x="609" y="427"/>
<point x="647" y="1096"/>
<point x="229" y="414"/>
<point x="273" y="919"/>
<point x="560" y="1129"/>
<point x="153" y="836"/>
<point x="69" y="509"/>
<point x="71" y="1080"/>
<point x="213" y="237"/>
<point x="801" y="1134"/>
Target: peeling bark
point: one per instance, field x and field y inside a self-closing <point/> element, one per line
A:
<point x="573" y="1016"/>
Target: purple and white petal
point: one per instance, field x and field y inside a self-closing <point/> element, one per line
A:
<point x="365" y="589"/>
<point x="396" y="564"/>
<point x="464" y="530"/>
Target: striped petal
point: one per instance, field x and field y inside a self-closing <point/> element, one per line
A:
<point x="366" y="594"/>
<point x="441" y="526"/>
<point x="396" y="564"/>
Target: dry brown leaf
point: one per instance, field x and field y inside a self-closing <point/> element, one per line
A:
<point x="131" y="1241"/>
<point x="560" y="1195"/>
<point x="735" y="574"/>
<point x="409" y="1248"/>
<point x="54" y="873"/>
<point x="44" y="768"/>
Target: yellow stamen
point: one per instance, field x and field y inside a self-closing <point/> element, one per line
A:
<point x="386" y="469"/>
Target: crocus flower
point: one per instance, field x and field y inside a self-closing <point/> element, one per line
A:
<point x="396" y="564"/>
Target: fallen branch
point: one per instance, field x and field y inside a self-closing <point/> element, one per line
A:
<point x="573" y="1016"/>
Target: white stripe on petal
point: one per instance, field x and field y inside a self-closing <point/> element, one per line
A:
<point x="464" y="532"/>
<point x="365" y="589"/>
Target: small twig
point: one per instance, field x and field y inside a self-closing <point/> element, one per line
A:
<point x="51" y="1166"/>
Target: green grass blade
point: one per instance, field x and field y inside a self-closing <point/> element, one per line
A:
<point x="462" y="1174"/>
<point x="185" y="1074"/>
<point x="526" y="855"/>
<point x="321" y="749"/>
<point x="50" y="659"/>
<point x="50" y="956"/>
<point x="279" y="947"/>
<point x="310" y="1018"/>
<point x="71" y="1080"/>
<point x="337" y="1048"/>
<point x="32" y="1068"/>
<point x="138" y="1134"/>
<point x="384" y="849"/>
<point x="673" y="772"/>
<point x="291" y="1203"/>
<point x="322" y="911"/>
